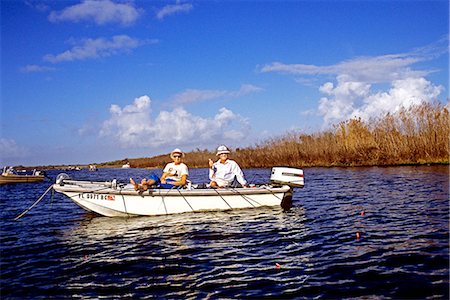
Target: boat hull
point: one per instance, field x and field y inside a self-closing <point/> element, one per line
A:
<point x="106" y="200"/>
<point x="13" y="178"/>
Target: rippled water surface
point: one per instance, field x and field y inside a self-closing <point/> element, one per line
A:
<point x="401" y="214"/>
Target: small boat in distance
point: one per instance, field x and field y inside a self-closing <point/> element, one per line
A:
<point x="73" y="168"/>
<point x="126" y="166"/>
<point x="121" y="200"/>
<point x="9" y="175"/>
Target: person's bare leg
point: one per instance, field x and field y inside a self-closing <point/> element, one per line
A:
<point x="136" y="186"/>
<point x="148" y="182"/>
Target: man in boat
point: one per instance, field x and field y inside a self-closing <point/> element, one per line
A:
<point x="175" y="174"/>
<point x="223" y="172"/>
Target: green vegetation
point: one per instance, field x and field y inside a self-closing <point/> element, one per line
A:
<point x="417" y="135"/>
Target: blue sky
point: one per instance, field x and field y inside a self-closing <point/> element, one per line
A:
<point x="93" y="81"/>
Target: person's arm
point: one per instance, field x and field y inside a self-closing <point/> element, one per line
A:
<point x="239" y="175"/>
<point x="163" y="177"/>
<point x="211" y="169"/>
<point x="165" y="173"/>
<point x="181" y="182"/>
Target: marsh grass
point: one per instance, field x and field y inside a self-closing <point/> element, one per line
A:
<point x="414" y="135"/>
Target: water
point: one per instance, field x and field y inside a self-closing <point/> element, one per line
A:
<point x="58" y="250"/>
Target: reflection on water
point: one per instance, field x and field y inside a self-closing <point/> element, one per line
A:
<point x="312" y="251"/>
<point x="203" y="250"/>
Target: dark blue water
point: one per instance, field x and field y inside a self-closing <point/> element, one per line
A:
<point x="58" y="250"/>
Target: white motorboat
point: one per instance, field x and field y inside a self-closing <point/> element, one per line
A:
<point x="120" y="200"/>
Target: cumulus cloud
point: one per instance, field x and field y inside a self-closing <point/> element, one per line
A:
<point x="133" y="126"/>
<point x="353" y="92"/>
<point x="173" y="9"/>
<point x="9" y="149"/>
<point x="194" y="95"/>
<point x="403" y="93"/>
<point x="99" y="11"/>
<point x="96" y="48"/>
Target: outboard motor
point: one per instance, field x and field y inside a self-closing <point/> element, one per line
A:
<point x="61" y="177"/>
<point x="287" y="176"/>
<point x="286" y="202"/>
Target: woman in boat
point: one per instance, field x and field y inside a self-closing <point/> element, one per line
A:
<point x="223" y="172"/>
<point x="175" y="174"/>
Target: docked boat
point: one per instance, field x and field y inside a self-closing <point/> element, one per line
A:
<point x="9" y="175"/>
<point x="113" y="199"/>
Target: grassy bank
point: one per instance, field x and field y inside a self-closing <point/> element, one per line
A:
<point x="417" y="135"/>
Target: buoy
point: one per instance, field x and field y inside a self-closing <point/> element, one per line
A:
<point x="278" y="266"/>
<point x="358" y="235"/>
<point x="362" y="214"/>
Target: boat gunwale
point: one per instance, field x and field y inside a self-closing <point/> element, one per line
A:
<point x="101" y="188"/>
<point x="21" y="176"/>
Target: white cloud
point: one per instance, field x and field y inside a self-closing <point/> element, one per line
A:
<point x="194" y="95"/>
<point x="173" y="9"/>
<point x="130" y="123"/>
<point x="404" y="92"/>
<point x="342" y="98"/>
<point x="349" y="99"/>
<point x="36" y="69"/>
<point x="99" y="11"/>
<point x="133" y="126"/>
<point x="246" y="89"/>
<point x="374" y="69"/>
<point x="352" y="94"/>
<point x="96" y="48"/>
<point x="10" y="150"/>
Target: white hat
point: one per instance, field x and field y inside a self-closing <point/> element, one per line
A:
<point x="176" y="150"/>
<point x="222" y="149"/>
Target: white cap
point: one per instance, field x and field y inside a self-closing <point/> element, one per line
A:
<point x="222" y="149"/>
<point x="176" y="150"/>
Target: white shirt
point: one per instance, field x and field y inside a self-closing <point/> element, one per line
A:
<point x="176" y="171"/>
<point x="224" y="173"/>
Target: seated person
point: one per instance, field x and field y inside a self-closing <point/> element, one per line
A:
<point x="223" y="171"/>
<point x="175" y="174"/>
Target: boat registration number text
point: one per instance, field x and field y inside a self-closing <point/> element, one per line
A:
<point x="97" y="196"/>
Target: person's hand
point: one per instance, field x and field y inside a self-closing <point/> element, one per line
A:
<point x="211" y="163"/>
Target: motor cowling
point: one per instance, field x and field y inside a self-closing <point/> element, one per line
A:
<point x="292" y="177"/>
